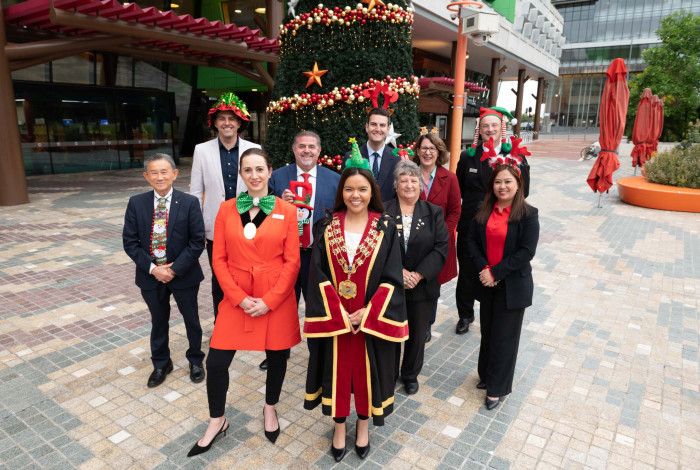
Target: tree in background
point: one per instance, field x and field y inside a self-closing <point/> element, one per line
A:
<point x="336" y="58"/>
<point x="673" y="73"/>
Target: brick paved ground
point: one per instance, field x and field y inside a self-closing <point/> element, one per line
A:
<point x="607" y="376"/>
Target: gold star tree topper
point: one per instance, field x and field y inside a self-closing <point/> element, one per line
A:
<point x="373" y="3"/>
<point x="315" y="75"/>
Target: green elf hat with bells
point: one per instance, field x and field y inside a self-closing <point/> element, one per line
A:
<point x="229" y="102"/>
<point x="501" y="113"/>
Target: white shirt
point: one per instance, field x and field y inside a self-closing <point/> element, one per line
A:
<point x="371" y="158"/>
<point x="352" y="242"/>
<point x="156" y="197"/>
<point x="312" y="179"/>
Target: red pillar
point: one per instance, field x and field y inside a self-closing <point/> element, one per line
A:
<point x="13" y="182"/>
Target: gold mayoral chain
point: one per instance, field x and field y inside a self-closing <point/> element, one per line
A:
<point x="347" y="288"/>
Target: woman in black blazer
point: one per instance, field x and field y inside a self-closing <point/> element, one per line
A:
<point x="424" y="241"/>
<point x="502" y="241"/>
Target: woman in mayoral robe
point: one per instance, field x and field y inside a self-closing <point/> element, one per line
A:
<point x="356" y="313"/>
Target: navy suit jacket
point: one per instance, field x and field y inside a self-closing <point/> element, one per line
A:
<point x="386" y="171"/>
<point x="185" y="240"/>
<point x="326" y="186"/>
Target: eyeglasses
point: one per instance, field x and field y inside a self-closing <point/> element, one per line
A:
<point x="428" y="149"/>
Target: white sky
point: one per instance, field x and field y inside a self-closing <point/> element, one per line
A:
<point x="506" y="98"/>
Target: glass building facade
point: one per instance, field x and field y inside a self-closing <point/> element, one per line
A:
<point x="597" y="31"/>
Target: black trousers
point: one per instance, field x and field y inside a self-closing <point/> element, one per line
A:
<point x="158" y="302"/>
<point x="466" y="279"/>
<point x="419" y="313"/>
<point x="218" y="362"/>
<point x="302" y="284"/>
<point x="500" y="337"/>
<point x="217" y="293"/>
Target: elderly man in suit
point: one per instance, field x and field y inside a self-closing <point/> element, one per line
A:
<point x="215" y="170"/>
<point x="164" y="236"/>
<point x="312" y="188"/>
<point x="381" y="159"/>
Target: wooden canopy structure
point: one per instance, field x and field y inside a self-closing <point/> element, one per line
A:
<point x="46" y="30"/>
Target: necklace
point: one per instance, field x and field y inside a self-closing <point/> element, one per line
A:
<point x="347" y="288"/>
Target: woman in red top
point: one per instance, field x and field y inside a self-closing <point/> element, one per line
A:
<point x="502" y="241"/>
<point x="440" y="187"/>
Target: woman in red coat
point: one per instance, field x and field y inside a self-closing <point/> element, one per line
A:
<point x="256" y="260"/>
<point x="440" y="187"/>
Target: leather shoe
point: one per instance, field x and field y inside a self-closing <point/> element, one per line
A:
<point x="338" y="454"/>
<point x="263" y="365"/>
<point x="462" y="326"/>
<point x="470" y="319"/>
<point x="362" y="452"/>
<point x="411" y="388"/>
<point x="428" y="335"/>
<point x="196" y="373"/>
<point x="491" y="404"/>
<point x="157" y="377"/>
<point x="481" y="385"/>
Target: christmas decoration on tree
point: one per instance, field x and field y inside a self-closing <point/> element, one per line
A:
<point x="365" y="51"/>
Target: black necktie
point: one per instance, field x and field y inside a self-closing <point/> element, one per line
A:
<point x="375" y="165"/>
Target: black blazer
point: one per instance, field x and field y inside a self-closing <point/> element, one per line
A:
<point x="427" y="246"/>
<point x="386" y="171"/>
<point x="185" y="239"/>
<point x="473" y="176"/>
<point x="514" y="270"/>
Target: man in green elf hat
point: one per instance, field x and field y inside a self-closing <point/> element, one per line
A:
<point x="473" y="175"/>
<point x="215" y="169"/>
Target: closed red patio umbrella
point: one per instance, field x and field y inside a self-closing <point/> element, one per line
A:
<point x="613" y="112"/>
<point x="644" y="130"/>
<point x="657" y="106"/>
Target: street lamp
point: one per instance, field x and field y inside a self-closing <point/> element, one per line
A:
<point x="480" y="26"/>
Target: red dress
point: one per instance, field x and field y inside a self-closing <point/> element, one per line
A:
<point x="445" y="193"/>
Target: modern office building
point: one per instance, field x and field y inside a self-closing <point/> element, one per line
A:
<point x="596" y="32"/>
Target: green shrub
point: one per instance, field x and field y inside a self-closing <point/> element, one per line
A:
<point x="677" y="167"/>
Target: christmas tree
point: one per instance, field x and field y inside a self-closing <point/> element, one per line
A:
<point x="337" y="60"/>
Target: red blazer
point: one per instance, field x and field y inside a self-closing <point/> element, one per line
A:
<point x="265" y="267"/>
<point x="445" y="193"/>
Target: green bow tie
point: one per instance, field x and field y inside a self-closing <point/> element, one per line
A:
<point x="244" y="203"/>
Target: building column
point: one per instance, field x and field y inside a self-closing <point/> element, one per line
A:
<point x="538" y="105"/>
<point x="519" y="100"/>
<point x="13" y="181"/>
<point x="274" y="13"/>
<point x="495" y="78"/>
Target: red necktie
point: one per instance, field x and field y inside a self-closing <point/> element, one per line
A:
<point x="305" y="238"/>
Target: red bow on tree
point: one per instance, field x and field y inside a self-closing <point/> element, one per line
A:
<point x="373" y="94"/>
<point x="491" y="150"/>
<point x="516" y="151"/>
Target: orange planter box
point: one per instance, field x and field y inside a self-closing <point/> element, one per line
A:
<point x="637" y="191"/>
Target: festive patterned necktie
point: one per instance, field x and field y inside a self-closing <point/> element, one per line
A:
<point x="244" y="203"/>
<point x="375" y="165"/>
<point x="305" y="235"/>
<point x="159" y="232"/>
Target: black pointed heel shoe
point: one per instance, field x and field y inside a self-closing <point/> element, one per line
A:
<point x="272" y="435"/>
<point x="197" y="449"/>
<point x="491" y="404"/>
<point x="338" y="454"/>
<point x="362" y="452"/>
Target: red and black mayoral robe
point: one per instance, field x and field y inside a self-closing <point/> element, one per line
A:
<point x="344" y="360"/>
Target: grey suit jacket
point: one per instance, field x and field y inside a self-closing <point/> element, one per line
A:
<point x="207" y="182"/>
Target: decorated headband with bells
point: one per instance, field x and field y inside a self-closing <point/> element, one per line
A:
<point x="504" y="116"/>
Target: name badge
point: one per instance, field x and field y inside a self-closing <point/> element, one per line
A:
<point x="278" y="216"/>
<point x="473" y="170"/>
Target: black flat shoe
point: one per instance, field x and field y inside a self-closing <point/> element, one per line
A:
<point x="271" y="435"/>
<point x="158" y="376"/>
<point x="491" y="404"/>
<point x="196" y="373"/>
<point x="362" y="452"/>
<point x="481" y="385"/>
<point x="462" y="326"/>
<point x="338" y="454"/>
<point x="197" y="449"/>
<point x="428" y="335"/>
<point x="411" y="388"/>
<point x="263" y="365"/>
